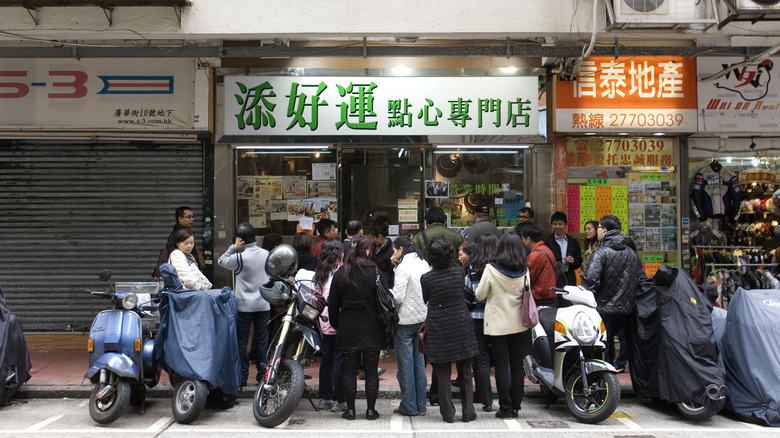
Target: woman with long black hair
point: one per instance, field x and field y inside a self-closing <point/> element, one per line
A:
<point x="360" y="334"/>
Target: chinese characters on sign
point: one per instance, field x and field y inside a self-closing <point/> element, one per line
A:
<point x="257" y="105"/>
<point x="639" y="94"/>
<point x="629" y="152"/>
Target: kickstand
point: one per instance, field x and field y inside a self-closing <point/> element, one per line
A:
<point x="308" y="397"/>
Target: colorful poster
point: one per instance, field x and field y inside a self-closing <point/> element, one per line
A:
<point x="587" y="203"/>
<point x="278" y="209"/>
<point x="295" y="209"/>
<point x="321" y="208"/>
<point x="573" y="203"/>
<point x="246" y="187"/>
<point x="294" y="187"/>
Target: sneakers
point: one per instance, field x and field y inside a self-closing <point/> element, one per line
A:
<point x="338" y="407"/>
<point x="326" y="404"/>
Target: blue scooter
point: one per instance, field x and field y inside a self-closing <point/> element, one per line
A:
<point x="121" y="354"/>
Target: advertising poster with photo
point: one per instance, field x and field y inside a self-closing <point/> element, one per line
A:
<point x="278" y="209"/>
<point x="322" y="189"/>
<point x="652" y="212"/>
<point x="294" y="187"/>
<point x="246" y="187"/>
<point x="268" y="187"/>
<point x="323" y="171"/>
<point x="437" y="189"/>
<point x="295" y="209"/>
<point x="321" y="208"/>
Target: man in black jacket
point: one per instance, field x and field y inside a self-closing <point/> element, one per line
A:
<point x="566" y="249"/>
<point x="613" y="276"/>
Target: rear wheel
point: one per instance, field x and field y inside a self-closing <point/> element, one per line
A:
<point x="107" y="403"/>
<point x="596" y="402"/>
<point x="273" y="406"/>
<point x="189" y="399"/>
<point x="697" y="412"/>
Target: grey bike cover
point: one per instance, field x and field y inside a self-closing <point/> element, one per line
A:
<point x="751" y="352"/>
<point x="198" y="334"/>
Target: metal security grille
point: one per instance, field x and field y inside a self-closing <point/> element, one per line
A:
<point x="67" y="211"/>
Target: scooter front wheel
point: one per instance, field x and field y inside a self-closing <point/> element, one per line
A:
<point x="106" y="404"/>
<point x="274" y="405"/>
<point x="697" y="412"/>
<point x="596" y="402"/>
<point x="189" y="399"/>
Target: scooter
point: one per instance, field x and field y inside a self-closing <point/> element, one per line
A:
<point x="121" y="354"/>
<point x="569" y="345"/>
<point x="293" y="348"/>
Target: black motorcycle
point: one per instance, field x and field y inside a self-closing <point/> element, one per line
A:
<point x="294" y="345"/>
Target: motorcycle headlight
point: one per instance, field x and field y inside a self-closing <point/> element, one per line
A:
<point x="310" y="312"/>
<point x="129" y="301"/>
<point x="583" y="329"/>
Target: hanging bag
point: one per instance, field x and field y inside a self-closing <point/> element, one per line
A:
<point x="530" y="316"/>
<point x="385" y="303"/>
<point x="421" y="338"/>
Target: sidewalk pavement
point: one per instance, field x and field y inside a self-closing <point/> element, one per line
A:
<point x="60" y="374"/>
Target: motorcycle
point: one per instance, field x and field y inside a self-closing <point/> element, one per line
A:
<point x="121" y="353"/>
<point x="15" y="363"/>
<point x="569" y="345"/>
<point x="294" y="346"/>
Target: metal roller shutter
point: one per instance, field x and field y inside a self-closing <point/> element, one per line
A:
<point x="67" y="211"/>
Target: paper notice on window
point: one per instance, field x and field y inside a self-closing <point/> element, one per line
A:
<point x="323" y="171"/>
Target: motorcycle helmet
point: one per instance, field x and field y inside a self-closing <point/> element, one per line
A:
<point x="281" y="262"/>
<point x="276" y="293"/>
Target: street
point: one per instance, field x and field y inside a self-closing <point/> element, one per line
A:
<point x="634" y="417"/>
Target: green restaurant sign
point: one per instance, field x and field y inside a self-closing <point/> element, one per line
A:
<point x="269" y="105"/>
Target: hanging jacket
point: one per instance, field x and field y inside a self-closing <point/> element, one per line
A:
<point x="715" y="193"/>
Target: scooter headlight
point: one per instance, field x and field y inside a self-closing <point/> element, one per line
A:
<point x="584" y="330"/>
<point x="129" y="301"/>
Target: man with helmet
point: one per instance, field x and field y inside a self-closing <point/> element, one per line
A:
<point x="247" y="261"/>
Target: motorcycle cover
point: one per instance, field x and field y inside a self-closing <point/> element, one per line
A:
<point x="15" y="363"/>
<point x="752" y="354"/>
<point x="198" y="334"/>
<point x="674" y="342"/>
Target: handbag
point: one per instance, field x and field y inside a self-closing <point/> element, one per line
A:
<point x="385" y="304"/>
<point x="529" y="314"/>
<point x="421" y="338"/>
<point x="469" y="295"/>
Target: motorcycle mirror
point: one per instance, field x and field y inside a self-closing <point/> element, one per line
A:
<point x="105" y="275"/>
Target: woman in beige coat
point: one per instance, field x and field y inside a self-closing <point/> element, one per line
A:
<point x="502" y="287"/>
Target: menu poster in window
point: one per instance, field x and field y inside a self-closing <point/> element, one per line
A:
<point x="321" y="209"/>
<point x="437" y="189"/>
<point x="268" y="187"/>
<point x="278" y="209"/>
<point x="258" y="220"/>
<point x="323" y="171"/>
<point x="321" y="189"/>
<point x="257" y="207"/>
<point x="294" y="187"/>
<point x="295" y="209"/>
<point x="246" y="187"/>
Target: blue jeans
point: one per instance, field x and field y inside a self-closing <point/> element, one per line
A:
<point x="260" y="339"/>
<point x="411" y="369"/>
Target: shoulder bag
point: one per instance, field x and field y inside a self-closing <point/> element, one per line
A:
<point x="421" y="338"/>
<point x="385" y="304"/>
<point x="530" y="316"/>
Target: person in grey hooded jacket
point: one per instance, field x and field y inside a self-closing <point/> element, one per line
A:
<point x="247" y="260"/>
<point x="613" y="276"/>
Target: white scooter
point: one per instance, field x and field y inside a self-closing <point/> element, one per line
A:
<point x="569" y="346"/>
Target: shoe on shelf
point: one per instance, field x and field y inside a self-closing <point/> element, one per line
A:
<point x="371" y="414"/>
<point x="349" y="414"/>
<point x="487" y="408"/>
<point x="338" y="407"/>
<point x="325" y="404"/>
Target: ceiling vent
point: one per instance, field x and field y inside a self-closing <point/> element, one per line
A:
<point x="766" y="6"/>
<point x="684" y="14"/>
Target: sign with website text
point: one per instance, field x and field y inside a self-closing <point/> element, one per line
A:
<point x="265" y="105"/>
<point x="745" y="99"/>
<point x="142" y="94"/>
<point x="647" y="94"/>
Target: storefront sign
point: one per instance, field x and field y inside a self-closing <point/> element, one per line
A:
<point x="97" y="94"/>
<point x="630" y="152"/>
<point x="264" y="105"/>
<point x="759" y="176"/>
<point x="647" y="94"/>
<point x="745" y="99"/>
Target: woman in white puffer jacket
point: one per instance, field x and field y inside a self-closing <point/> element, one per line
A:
<point x="412" y="311"/>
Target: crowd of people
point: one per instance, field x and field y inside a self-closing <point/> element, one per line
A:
<point x="431" y="276"/>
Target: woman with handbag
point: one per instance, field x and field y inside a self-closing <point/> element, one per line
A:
<point x="407" y="294"/>
<point x="360" y="333"/>
<point x="184" y="262"/>
<point x="450" y="333"/>
<point x="501" y="286"/>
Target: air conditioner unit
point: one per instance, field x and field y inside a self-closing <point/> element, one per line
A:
<point x="659" y="11"/>
<point x="753" y="6"/>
